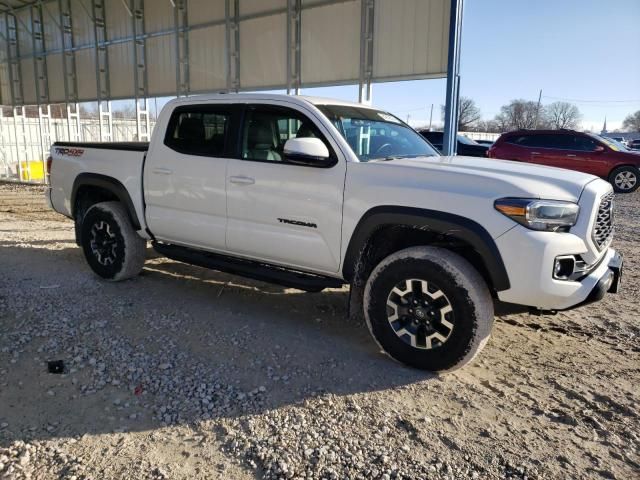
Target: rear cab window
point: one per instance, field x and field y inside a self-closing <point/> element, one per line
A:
<point x="200" y="130"/>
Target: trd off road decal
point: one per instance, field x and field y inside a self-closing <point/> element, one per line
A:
<point x="69" y="152"/>
<point x="297" y="222"/>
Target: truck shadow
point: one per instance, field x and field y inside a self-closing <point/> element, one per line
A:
<point x="176" y="345"/>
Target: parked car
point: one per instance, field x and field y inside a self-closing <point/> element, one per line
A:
<point x="583" y="152"/>
<point x="466" y="146"/>
<point x="634" y="144"/>
<point x="315" y="193"/>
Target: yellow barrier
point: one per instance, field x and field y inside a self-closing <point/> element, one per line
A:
<point x="32" y="170"/>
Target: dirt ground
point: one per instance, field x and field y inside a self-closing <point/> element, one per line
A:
<point x="187" y="373"/>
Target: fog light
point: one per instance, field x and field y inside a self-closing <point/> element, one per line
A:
<point x="563" y="267"/>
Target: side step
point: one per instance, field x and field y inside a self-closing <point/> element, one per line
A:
<point x="247" y="268"/>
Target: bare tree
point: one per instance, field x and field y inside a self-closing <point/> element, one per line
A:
<point x="517" y="115"/>
<point x="468" y="114"/>
<point x="632" y="122"/>
<point x="562" y="115"/>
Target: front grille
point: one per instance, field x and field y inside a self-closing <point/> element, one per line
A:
<point x="603" y="226"/>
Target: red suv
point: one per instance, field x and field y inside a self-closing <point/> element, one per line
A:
<point x="583" y="152"/>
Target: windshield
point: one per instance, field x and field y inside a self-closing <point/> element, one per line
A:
<point x="610" y="142"/>
<point x="376" y="135"/>
<point x="466" y="140"/>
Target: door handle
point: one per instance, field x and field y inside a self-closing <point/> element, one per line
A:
<point x="570" y="155"/>
<point x="162" y="171"/>
<point x="242" y="180"/>
<point x="535" y="153"/>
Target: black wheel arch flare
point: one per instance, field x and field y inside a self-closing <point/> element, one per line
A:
<point x="434" y="221"/>
<point x="107" y="183"/>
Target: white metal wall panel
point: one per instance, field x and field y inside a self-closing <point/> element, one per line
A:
<point x="409" y="41"/>
<point x="56" y="78"/>
<point x="82" y="25"/>
<point x="250" y="7"/>
<point x="207" y="59"/>
<point x="119" y="21"/>
<point x="331" y="43"/>
<point x="25" y="43"/>
<point x="86" y="71"/>
<point x="52" y="37"/>
<point x="121" y="70"/>
<point x="28" y="80"/>
<point x="410" y="38"/>
<point x="204" y="11"/>
<point x="158" y="16"/>
<point x="5" y="91"/>
<point x="263" y="60"/>
<point x="161" y="65"/>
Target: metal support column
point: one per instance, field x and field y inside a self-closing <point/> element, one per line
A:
<point x="449" y="146"/>
<point x="5" y="145"/>
<point x="39" y="55"/>
<point x="73" y="122"/>
<point x="294" y="52"/>
<point x="68" y="55"/>
<point x="181" y="21"/>
<point x="105" y="119"/>
<point x="45" y="131"/>
<point x="143" y="129"/>
<point x="232" y="30"/>
<point x="21" y="148"/>
<point x="366" y="51"/>
<point x="13" y="58"/>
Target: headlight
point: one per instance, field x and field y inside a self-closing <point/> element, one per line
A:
<point x="545" y="215"/>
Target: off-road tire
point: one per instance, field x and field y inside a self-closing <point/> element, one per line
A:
<point x="110" y="244"/>
<point x="455" y="282"/>
<point x="625" y="179"/>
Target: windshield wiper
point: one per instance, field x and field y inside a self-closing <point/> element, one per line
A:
<point x="398" y="157"/>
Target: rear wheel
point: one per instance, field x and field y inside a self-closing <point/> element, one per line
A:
<point x="110" y="244"/>
<point x="625" y="179"/>
<point x="429" y="308"/>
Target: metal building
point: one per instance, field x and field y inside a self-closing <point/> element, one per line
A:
<point x="72" y="51"/>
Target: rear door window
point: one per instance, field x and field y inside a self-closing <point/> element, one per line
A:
<point x="199" y="130"/>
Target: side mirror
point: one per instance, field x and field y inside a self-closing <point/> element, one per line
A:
<point x="599" y="148"/>
<point x="308" y="151"/>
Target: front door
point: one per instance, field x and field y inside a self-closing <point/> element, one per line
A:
<point x="280" y="212"/>
<point x="184" y="177"/>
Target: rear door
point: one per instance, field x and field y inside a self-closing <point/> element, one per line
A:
<point x="185" y="177"/>
<point x="548" y="149"/>
<point x="280" y="212"/>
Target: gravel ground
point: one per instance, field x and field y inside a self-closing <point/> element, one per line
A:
<point x="187" y="373"/>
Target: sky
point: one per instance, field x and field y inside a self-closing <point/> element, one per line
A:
<point x="585" y="51"/>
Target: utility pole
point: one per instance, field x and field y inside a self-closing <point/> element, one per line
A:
<point x="431" y="117"/>
<point x="408" y="117"/>
<point x="538" y="109"/>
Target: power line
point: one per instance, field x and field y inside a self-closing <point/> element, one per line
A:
<point x="579" y="100"/>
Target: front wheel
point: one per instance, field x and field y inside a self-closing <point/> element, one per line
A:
<point x="625" y="179"/>
<point x="429" y="308"/>
<point x="110" y="244"/>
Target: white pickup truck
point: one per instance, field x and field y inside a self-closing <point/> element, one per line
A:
<point x="313" y="193"/>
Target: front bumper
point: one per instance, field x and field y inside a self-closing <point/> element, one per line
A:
<point x="609" y="282"/>
<point x="529" y="257"/>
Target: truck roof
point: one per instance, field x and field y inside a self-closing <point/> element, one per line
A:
<point x="248" y="97"/>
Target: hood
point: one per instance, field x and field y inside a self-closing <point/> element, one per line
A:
<point x="498" y="178"/>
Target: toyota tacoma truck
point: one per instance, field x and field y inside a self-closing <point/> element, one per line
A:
<point x="314" y="193"/>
